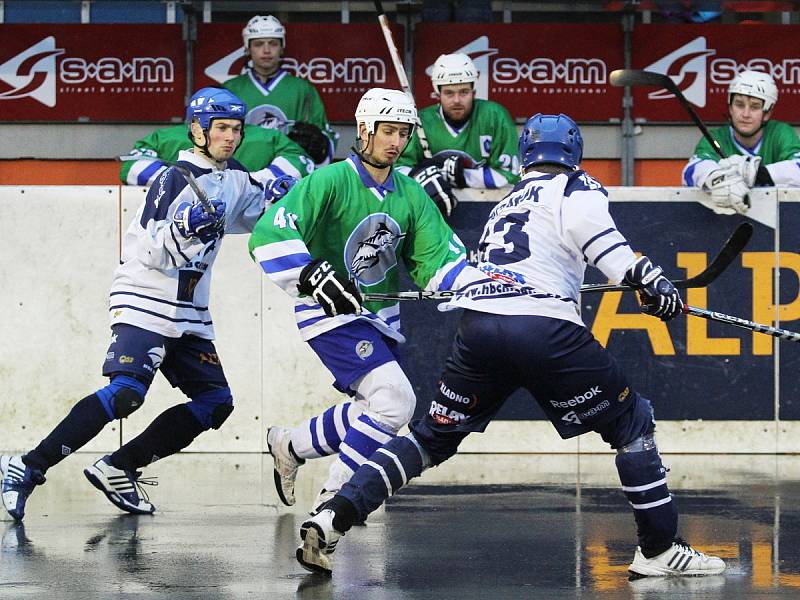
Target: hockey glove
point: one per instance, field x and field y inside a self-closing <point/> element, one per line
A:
<point x="659" y="297"/>
<point x="747" y="166"/>
<point x="335" y="294"/>
<point x="437" y="188"/>
<point x="277" y="188"/>
<point x="728" y="189"/>
<point x="192" y="220"/>
<point x="311" y="139"/>
<point x="453" y="171"/>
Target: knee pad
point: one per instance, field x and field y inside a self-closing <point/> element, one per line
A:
<point x="122" y="396"/>
<point x="212" y="407"/>
<point x="389" y="396"/>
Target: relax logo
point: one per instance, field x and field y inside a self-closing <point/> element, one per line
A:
<point x="686" y="66"/>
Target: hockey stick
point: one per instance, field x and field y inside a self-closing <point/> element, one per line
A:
<point x="729" y="251"/>
<point x="401" y="73"/>
<point x="636" y="77"/>
<point x="711" y="315"/>
<point x="201" y="195"/>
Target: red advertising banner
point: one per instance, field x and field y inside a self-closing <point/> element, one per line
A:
<point x="530" y="68"/>
<point x="342" y="60"/>
<point x="91" y="72"/>
<point x="703" y="59"/>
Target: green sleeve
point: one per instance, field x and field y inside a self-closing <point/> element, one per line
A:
<point x="412" y="154"/>
<point x="788" y="146"/>
<point x="431" y="246"/>
<point x="504" y="156"/>
<point x="144" y="151"/>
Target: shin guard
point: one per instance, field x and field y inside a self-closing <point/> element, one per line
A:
<point x="322" y="435"/>
<point x="86" y="419"/>
<point x="389" y="469"/>
<point x="170" y="432"/>
<point x="644" y="481"/>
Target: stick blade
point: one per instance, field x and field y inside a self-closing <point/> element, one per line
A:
<point x="635" y="77"/>
<point x="730" y="250"/>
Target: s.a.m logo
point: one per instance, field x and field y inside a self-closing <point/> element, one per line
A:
<point x="686" y="66"/>
<point x="32" y="73"/>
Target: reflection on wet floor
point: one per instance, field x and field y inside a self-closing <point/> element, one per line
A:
<point x="505" y="526"/>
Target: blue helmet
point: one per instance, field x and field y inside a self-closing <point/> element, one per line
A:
<point x="550" y="139"/>
<point x="214" y="103"/>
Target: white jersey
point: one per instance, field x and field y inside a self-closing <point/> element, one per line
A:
<point x="536" y="244"/>
<point x="163" y="281"/>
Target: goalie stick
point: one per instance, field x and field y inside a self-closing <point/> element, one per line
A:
<point x="711" y="315"/>
<point x="201" y="195"/>
<point x="729" y="251"/>
<point x="401" y="73"/>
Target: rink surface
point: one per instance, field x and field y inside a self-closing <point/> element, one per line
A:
<point x="480" y="526"/>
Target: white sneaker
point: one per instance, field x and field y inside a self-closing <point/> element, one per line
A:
<point x="18" y="482"/>
<point x="680" y="559"/>
<point x="122" y="488"/>
<point x="286" y="463"/>
<point x="319" y="541"/>
<point x="321" y="500"/>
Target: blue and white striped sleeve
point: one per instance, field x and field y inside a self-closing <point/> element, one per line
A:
<point x="282" y="262"/>
<point x="593" y="231"/>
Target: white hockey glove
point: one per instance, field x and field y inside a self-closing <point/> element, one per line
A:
<point x="728" y="189"/>
<point x="746" y="166"/>
<point x="659" y="297"/>
<point x="193" y="220"/>
<point x="335" y="294"/>
<point x="437" y="188"/>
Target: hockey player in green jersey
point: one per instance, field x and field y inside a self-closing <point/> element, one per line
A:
<point x="340" y="231"/>
<point x="473" y="142"/>
<point x="266" y="153"/>
<point x="760" y="151"/>
<point x="278" y="99"/>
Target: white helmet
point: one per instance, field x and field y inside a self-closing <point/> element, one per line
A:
<point x="453" y="68"/>
<point x="383" y="105"/>
<point x="263" y="27"/>
<point x="756" y="84"/>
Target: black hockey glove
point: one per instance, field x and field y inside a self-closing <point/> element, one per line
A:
<point x="659" y="297"/>
<point x="335" y="294"/>
<point x="311" y="139"/>
<point x="453" y="171"/>
<point x="436" y="187"/>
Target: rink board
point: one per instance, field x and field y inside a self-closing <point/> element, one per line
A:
<point x="714" y="387"/>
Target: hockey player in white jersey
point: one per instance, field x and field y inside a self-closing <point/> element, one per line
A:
<point x="522" y="329"/>
<point x="159" y="315"/>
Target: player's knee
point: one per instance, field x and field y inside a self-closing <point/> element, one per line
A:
<point x="122" y="396"/>
<point x="212" y="407"/>
<point x="389" y="396"/>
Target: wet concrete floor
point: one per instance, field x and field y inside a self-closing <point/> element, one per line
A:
<point x="488" y="526"/>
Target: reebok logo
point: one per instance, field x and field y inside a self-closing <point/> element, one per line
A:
<point x="580" y="399"/>
<point x="686" y="66"/>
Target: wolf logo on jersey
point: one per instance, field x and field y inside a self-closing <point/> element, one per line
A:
<point x="268" y="116"/>
<point x="370" y="251"/>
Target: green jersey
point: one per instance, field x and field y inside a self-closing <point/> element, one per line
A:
<point x="265" y="153"/>
<point x="489" y="138"/>
<point x="779" y="149"/>
<point x="340" y="214"/>
<point x="280" y="102"/>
